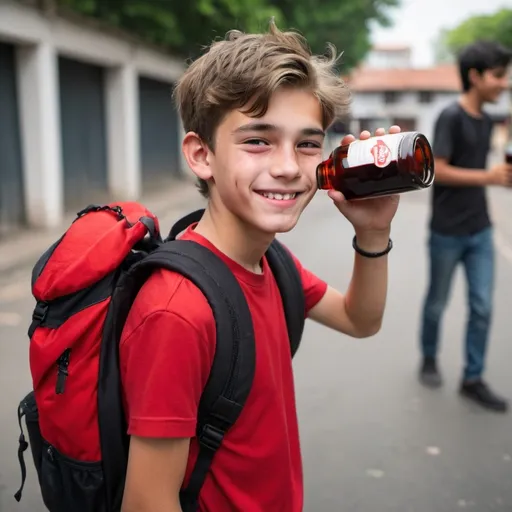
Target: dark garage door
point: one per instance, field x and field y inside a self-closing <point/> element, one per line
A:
<point x="83" y="125"/>
<point x="159" y="133"/>
<point x="11" y="177"/>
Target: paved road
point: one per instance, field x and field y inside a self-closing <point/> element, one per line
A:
<point x="373" y="439"/>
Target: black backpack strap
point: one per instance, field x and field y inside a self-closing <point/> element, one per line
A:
<point x="233" y="366"/>
<point x="292" y="292"/>
<point x="183" y="223"/>
<point x="22" y="446"/>
<point x="285" y="272"/>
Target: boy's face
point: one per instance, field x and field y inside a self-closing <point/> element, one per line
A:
<point x="264" y="169"/>
<point x="491" y="83"/>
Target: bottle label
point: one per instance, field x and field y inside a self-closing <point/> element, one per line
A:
<point x="379" y="151"/>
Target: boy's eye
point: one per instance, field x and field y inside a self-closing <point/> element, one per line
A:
<point x="310" y="145"/>
<point x="302" y="145"/>
<point x="255" y="142"/>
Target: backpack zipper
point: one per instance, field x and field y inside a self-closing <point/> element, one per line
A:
<point x="62" y="371"/>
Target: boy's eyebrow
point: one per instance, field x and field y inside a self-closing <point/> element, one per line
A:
<point x="267" y="127"/>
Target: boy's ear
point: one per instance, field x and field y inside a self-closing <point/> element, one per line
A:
<point x="473" y="76"/>
<point x="196" y="154"/>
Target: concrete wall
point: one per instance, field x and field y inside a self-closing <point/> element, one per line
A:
<point x="399" y="58"/>
<point x="372" y="106"/>
<point x="40" y="39"/>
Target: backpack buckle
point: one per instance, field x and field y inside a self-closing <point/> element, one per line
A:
<point x="211" y="437"/>
<point x="40" y="311"/>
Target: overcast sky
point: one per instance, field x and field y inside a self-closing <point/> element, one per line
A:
<point x="418" y="25"/>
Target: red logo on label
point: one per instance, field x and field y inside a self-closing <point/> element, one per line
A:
<point x="381" y="154"/>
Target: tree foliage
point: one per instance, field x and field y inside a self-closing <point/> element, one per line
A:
<point x="186" y="26"/>
<point x="493" y="27"/>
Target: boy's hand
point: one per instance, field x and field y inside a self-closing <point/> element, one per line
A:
<point x="500" y="174"/>
<point x="371" y="218"/>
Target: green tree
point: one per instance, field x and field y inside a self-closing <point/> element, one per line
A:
<point x="182" y="26"/>
<point x="186" y="26"/>
<point x="342" y="23"/>
<point x="495" y="27"/>
<point x="442" y="53"/>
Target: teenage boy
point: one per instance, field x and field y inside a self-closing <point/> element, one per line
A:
<point x="461" y="230"/>
<point x="255" y="109"/>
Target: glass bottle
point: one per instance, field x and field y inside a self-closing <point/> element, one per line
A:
<point x="508" y="145"/>
<point x="379" y="166"/>
<point x="508" y="153"/>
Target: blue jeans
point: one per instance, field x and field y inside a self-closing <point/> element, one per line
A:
<point x="476" y="253"/>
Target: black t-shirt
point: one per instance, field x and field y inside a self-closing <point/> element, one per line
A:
<point x="464" y="141"/>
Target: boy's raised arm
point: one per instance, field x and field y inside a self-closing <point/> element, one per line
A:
<point x="359" y="312"/>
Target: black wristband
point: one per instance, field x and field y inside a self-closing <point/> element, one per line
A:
<point x="371" y="254"/>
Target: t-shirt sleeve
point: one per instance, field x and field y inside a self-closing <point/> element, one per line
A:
<point x="314" y="287"/>
<point x="167" y="365"/>
<point x="444" y="135"/>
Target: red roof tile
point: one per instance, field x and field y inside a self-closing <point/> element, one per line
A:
<point x="440" y="78"/>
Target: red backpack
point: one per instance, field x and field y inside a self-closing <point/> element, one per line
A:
<point x="84" y="285"/>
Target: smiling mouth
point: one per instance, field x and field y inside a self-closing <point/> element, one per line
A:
<point x="278" y="196"/>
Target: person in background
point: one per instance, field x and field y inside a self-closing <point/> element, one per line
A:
<point x="460" y="226"/>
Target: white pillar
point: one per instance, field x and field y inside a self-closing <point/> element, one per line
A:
<point x="40" y="128"/>
<point x="354" y="127"/>
<point x="124" y="170"/>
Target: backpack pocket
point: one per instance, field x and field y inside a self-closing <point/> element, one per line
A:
<point x="68" y="484"/>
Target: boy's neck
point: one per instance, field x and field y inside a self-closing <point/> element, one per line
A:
<point x="471" y="102"/>
<point x="234" y="238"/>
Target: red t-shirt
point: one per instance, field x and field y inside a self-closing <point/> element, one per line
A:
<point x="166" y="353"/>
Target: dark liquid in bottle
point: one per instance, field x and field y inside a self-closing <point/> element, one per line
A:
<point x="411" y="171"/>
<point x="369" y="181"/>
<point x="508" y="157"/>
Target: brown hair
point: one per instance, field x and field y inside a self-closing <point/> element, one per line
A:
<point x="244" y="70"/>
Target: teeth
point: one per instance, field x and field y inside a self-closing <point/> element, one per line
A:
<point x="279" y="197"/>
